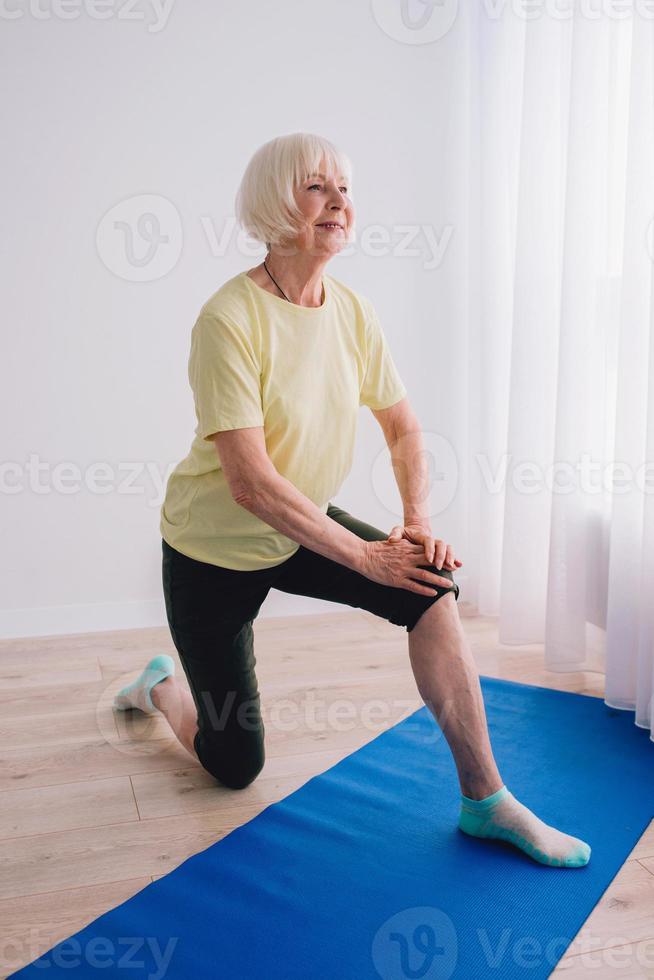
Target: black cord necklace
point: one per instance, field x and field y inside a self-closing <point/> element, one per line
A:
<point x="276" y="283"/>
<point x="280" y="288"/>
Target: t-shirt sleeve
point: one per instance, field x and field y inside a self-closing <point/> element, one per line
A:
<point x="382" y="385"/>
<point x="224" y="374"/>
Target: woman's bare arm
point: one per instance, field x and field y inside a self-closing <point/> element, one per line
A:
<point x="257" y="486"/>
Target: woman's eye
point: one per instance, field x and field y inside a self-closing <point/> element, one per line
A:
<point x="311" y="187"/>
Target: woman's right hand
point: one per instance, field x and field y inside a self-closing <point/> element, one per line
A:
<point x="398" y="563"/>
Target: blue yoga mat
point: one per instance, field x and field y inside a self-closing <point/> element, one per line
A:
<point x="362" y="872"/>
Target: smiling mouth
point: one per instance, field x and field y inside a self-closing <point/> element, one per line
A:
<point x="330" y="226"/>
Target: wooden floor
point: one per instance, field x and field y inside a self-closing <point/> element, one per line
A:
<point x="96" y="805"/>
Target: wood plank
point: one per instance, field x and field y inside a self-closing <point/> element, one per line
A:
<point x="647" y="862"/>
<point x="633" y="961"/>
<point x="26" y="812"/>
<point x="51" y="765"/>
<point x="77" y="723"/>
<point x="66" y="859"/>
<point x="623" y="915"/>
<point x="50" y="699"/>
<point x="30" y="656"/>
<point x="63" y="645"/>
<point x="20" y="679"/>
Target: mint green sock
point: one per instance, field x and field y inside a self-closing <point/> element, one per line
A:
<point x="501" y="816"/>
<point x="137" y="694"/>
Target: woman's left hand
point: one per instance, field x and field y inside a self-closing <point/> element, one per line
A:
<point x="436" y="550"/>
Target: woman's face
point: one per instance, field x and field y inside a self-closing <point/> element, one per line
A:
<point x="323" y="199"/>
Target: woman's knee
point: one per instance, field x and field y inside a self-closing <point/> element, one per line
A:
<point x="242" y="778"/>
<point x="234" y="762"/>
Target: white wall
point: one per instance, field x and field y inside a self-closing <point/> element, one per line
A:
<point x="98" y="112"/>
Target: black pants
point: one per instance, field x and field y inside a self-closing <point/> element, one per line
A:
<point x="210" y="613"/>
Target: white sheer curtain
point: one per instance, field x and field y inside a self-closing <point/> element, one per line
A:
<point x="561" y="333"/>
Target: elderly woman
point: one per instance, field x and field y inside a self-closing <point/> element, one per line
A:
<point x="281" y="358"/>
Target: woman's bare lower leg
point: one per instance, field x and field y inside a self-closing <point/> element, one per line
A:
<point x="448" y="682"/>
<point x="178" y="707"/>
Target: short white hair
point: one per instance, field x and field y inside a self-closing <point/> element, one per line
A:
<point x="265" y="202"/>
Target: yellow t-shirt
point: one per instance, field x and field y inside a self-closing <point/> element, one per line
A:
<point x="301" y="373"/>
